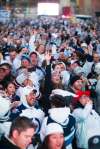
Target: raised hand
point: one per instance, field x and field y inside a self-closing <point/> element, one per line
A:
<point x="48" y="56"/>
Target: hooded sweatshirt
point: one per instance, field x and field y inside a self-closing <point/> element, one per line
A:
<point x="63" y="117"/>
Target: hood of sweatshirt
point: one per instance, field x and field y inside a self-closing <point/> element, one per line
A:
<point x="60" y="115"/>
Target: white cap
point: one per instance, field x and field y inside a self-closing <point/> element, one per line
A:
<point x="84" y="45"/>
<point x="28" y="89"/>
<point x="52" y="128"/>
<point x="63" y="93"/>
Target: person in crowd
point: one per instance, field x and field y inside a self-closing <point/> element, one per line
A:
<point x="29" y="108"/>
<point x="35" y="65"/>
<point x="96" y="59"/>
<point x="10" y="91"/>
<point x="97" y="71"/>
<point x="60" y="68"/>
<point x="6" y="106"/>
<point x="85" y="115"/>
<point x="17" y="61"/>
<point x="20" y="136"/>
<point x="28" y="101"/>
<point x="89" y="64"/>
<point x="52" y="78"/>
<point x="25" y="61"/>
<point x="7" y="73"/>
<point x="41" y="53"/>
<point x="75" y="84"/>
<point x="54" y="137"/>
<point x="59" y="105"/>
<point x="12" y="54"/>
<point x="2" y="76"/>
<point x="32" y="40"/>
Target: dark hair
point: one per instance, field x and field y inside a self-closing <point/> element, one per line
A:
<point x="12" y="49"/>
<point x="7" y="84"/>
<point x="55" y="64"/>
<point x="58" y="101"/>
<point x="38" y="46"/>
<point x="45" y="144"/>
<point x="73" y="79"/>
<point x="33" y="53"/>
<point x="21" y="124"/>
<point x="5" y="64"/>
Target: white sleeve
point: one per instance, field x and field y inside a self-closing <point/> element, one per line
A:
<point x="31" y="43"/>
<point x="97" y="116"/>
<point x="87" y="67"/>
<point x="43" y="129"/>
<point x="17" y="62"/>
<point x="82" y="114"/>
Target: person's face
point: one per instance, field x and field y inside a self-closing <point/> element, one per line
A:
<point x="10" y="89"/>
<point x="13" y="55"/>
<point x="62" y="56"/>
<point x="56" y="141"/>
<point x="25" y="63"/>
<point x="78" y="85"/>
<point x="56" y="78"/>
<point x="2" y="74"/>
<point x="84" y="99"/>
<point x="31" y="98"/>
<point x="57" y="68"/>
<point x="74" y="56"/>
<point x="41" y="49"/>
<point x="62" y="67"/>
<point x="25" y="50"/>
<point x="24" y="138"/>
<point x="34" y="59"/>
<point x="73" y="66"/>
<point x="96" y="58"/>
<point x="7" y="70"/>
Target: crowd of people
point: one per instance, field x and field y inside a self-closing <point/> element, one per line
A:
<point x="49" y="84"/>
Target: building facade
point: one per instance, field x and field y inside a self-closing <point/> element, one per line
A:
<point x="88" y="7"/>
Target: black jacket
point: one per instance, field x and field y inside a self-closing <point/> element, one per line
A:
<point x="6" y="144"/>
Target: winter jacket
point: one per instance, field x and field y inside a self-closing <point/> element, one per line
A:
<point x="87" y="124"/>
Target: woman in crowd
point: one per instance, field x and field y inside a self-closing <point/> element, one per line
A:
<point x="10" y="91"/>
<point x="54" y="138"/>
<point x="87" y="121"/>
<point x="52" y="81"/>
